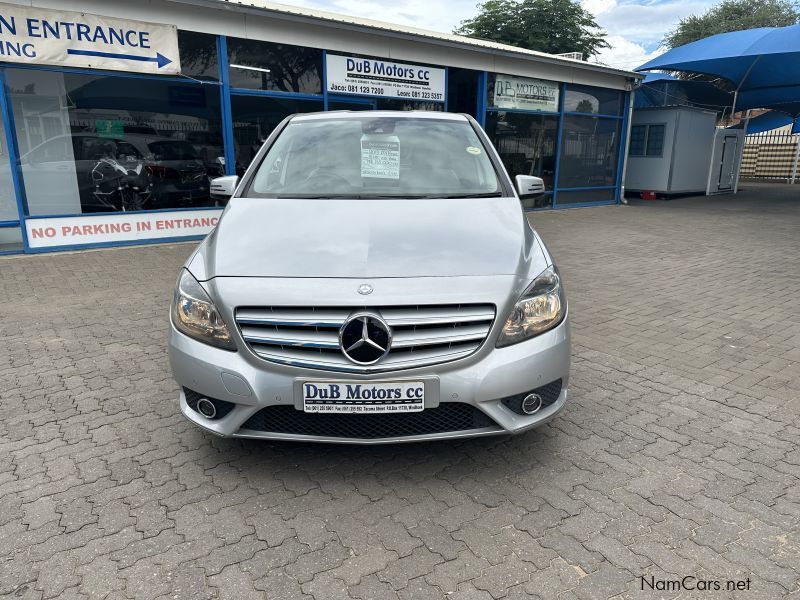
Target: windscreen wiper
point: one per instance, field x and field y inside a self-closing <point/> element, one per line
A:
<point x="478" y="195"/>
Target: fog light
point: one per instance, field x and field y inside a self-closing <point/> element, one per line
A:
<point x="531" y="404"/>
<point x="206" y="408"/>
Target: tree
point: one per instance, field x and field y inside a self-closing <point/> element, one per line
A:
<point x="554" y="26"/>
<point x="733" y="15"/>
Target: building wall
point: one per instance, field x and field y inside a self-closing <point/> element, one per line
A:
<point x="243" y="21"/>
<point x="102" y="158"/>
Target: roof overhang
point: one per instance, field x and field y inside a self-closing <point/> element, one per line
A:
<point x="283" y="12"/>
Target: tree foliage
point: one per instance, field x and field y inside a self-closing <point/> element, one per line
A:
<point x="554" y="26"/>
<point x="733" y="15"/>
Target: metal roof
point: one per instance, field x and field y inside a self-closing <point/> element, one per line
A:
<point x="285" y="11"/>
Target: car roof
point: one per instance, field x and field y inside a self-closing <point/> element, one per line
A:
<point x="377" y="114"/>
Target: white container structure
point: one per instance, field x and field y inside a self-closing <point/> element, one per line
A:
<point x="680" y="150"/>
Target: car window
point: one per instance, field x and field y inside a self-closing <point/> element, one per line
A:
<point x="127" y="151"/>
<point x="173" y="150"/>
<point x="376" y="157"/>
<point x="95" y="148"/>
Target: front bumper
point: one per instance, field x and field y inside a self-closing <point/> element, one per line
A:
<point x="481" y="380"/>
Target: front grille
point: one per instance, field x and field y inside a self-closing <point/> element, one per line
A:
<point x="549" y="394"/>
<point x="309" y="337"/>
<point x="447" y="417"/>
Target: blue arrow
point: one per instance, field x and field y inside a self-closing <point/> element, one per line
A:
<point x="159" y="58"/>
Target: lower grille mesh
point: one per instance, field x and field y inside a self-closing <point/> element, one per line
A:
<point x="447" y="417"/>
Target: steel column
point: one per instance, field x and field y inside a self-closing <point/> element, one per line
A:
<point x="225" y="106"/>
<point x="17" y="180"/>
<point x="627" y="125"/>
<point x="480" y="110"/>
<point x="796" y="160"/>
<point x="562" y="88"/>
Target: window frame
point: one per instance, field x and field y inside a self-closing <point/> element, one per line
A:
<point x="647" y="127"/>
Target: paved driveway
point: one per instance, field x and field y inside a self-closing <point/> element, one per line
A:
<point x="677" y="454"/>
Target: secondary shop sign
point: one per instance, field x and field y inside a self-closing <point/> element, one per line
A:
<point x="375" y="77"/>
<point x="52" y="232"/>
<point x="71" y="39"/>
<point x="525" y="93"/>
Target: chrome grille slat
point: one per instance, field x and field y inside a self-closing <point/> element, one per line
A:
<point x="309" y="337"/>
<point x="292" y="317"/>
<point x="291" y="337"/>
<point x="337" y="362"/>
<point x="405" y="338"/>
<point x="396" y="316"/>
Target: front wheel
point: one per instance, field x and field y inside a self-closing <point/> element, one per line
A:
<point x="131" y="200"/>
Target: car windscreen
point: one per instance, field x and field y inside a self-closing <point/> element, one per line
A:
<point x="376" y="157"/>
<point x="173" y="150"/>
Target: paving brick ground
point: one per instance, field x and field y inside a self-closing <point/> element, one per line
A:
<point x="677" y="454"/>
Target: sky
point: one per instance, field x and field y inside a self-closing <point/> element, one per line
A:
<point x="635" y="27"/>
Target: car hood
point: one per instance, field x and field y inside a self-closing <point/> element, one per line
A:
<point x="267" y="237"/>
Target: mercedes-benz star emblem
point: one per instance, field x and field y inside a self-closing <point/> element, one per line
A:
<point x="365" y="338"/>
<point x="365" y="289"/>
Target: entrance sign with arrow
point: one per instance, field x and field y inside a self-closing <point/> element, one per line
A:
<point x="40" y="36"/>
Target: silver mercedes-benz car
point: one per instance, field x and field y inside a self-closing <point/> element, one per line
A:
<point x="372" y="279"/>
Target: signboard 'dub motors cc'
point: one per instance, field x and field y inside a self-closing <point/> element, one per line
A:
<point x="525" y="93"/>
<point x="49" y="37"/>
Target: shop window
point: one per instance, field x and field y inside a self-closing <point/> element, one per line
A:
<point x="589" y="152"/>
<point x="579" y="196"/>
<point x="254" y="118"/>
<point x="397" y="104"/>
<point x="275" y="67"/>
<point x="351" y="103"/>
<point x="462" y="91"/>
<point x="198" y="53"/>
<point x="10" y="239"/>
<point x="587" y="99"/>
<point x="102" y="144"/>
<point x="647" y="140"/>
<point x="526" y="144"/>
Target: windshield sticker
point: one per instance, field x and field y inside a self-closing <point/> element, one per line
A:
<point x="473" y="150"/>
<point x="380" y="156"/>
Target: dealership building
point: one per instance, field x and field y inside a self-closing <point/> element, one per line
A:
<point x="117" y="114"/>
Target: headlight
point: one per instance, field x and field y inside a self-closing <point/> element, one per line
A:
<point x="194" y="314"/>
<point x="541" y="307"/>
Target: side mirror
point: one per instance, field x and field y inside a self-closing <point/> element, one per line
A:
<point x="529" y="186"/>
<point x="222" y="188"/>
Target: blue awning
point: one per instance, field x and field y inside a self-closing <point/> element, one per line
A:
<point x="767" y="122"/>
<point x="662" y="89"/>
<point x="763" y="64"/>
